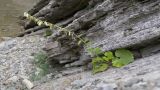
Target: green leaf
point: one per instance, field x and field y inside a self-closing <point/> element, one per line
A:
<point x="109" y="55"/>
<point x="99" y="65"/>
<point x="105" y="58"/>
<point x="123" y="57"/>
<point x="117" y="63"/>
<point x="100" y="68"/>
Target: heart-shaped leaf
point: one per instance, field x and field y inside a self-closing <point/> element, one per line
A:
<point x="123" y="57"/>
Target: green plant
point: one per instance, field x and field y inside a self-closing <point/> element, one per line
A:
<point x="101" y="61"/>
<point x="42" y="67"/>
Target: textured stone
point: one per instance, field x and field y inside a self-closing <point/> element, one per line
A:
<point x="78" y="84"/>
<point x="122" y="79"/>
<point x="109" y="25"/>
<point x="103" y="86"/>
<point x="126" y="25"/>
<point x="16" y="60"/>
<point x="55" y="10"/>
<point x="4" y="46"/>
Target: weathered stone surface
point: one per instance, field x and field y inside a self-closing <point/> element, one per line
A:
<point x="116" y="24"/>
<point x="55" y="10"/>
<point x="4" y="46"/>
<point x="124" y="24"/>
<point x="125" y="78"/>
<point x="108" y="24"/>
<point x="16" y="60"/>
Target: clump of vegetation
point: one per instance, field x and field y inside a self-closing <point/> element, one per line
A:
<point x="102" y="61"/>
<point x="42" y="66"/>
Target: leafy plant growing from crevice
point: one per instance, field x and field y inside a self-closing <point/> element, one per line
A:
<point x="102" y="61"/>
<point x="42" y="66"/>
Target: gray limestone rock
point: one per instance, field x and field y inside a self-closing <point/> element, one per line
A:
<point x="113" y="79"/>
<point x="109" y="25"/>
<point x="113" y="24"/>
<point x="16" y="60"/>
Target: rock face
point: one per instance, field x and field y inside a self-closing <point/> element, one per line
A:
<point x="108" y="24"/>
<point x="142" y="74"/>
<point x="54" y="10"/>
<point x="16" y="62"/>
